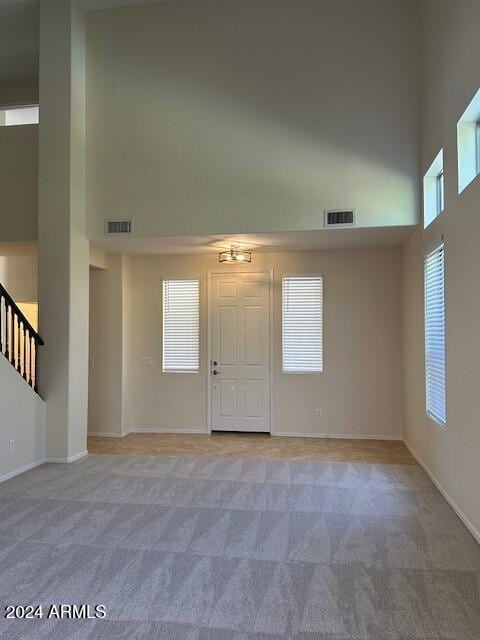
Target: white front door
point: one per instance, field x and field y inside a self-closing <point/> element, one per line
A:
<point x="240" y="353"/>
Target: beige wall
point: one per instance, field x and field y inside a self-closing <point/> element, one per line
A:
<point x="450" y="79"/>
<point x="360" y="391"/>
<point x="18" y="91"/>
<point x="98" y="259"/>
<point x="22" y="417"/>
<point x="18" y="183"/>
<point x="109" y="335"/>
<point x="200" y="120"/>
<point x="18" y="274"/>
<point x="227" y="117"/>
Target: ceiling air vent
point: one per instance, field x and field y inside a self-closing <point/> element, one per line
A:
<point x="115" y="227"/>
<point x="340" y="218"/>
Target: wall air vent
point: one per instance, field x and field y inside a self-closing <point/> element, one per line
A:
<point x="116" y="227"/>
<point x="340" y="218"/>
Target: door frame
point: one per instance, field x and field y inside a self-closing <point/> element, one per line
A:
<point x="227" y="271"/>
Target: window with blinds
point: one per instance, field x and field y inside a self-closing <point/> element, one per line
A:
<point x="435" y="334"/>
<point x="302" y="324"/>
<point x="180" y="325"/>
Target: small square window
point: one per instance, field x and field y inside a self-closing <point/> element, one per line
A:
<point x="15" y="116"/>
<point x="468" y="143"/>
<point x="433" y="190"/>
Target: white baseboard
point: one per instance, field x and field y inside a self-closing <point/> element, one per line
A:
<point x="343" y="436"/>
<point x="473" y="530"/>
<point x="147" y="430"/>
<point x="32" y="465"/>
<point x="106" y="434"/>
<point x="338" y="436"/>
<point x="74" y="458"/>
<point x="17" y="472"/>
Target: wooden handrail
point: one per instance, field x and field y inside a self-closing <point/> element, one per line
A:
<point x="19" y="341"/>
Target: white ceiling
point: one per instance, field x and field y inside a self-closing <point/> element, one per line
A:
<point x="261" y="242"/>
<point x="326" y="239"/>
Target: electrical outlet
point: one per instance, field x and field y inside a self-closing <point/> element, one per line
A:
<point x="318" y="413"/>
<point x="12" y="444"/>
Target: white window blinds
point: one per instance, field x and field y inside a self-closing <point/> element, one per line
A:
<point x="435" y="334"/>
<point x="302" y="322"/>
<point x="180" y="325"/>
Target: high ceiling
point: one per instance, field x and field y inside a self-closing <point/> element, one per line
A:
<point x="19" y="34"/>
<point x="18" y="39"/>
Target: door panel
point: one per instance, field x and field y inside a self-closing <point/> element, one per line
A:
<point x="228" y="398"/>
<point x="253" y="336"/>
<point x="255" y="394"/>
<point x="253" y="289"/>
<point x="227" y="289"/>
<point x="241" y="350"/>
<point x="227" y="327"/>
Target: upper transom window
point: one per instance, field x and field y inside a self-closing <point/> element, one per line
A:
<point x="15" y="116"/>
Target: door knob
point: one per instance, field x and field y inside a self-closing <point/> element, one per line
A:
<point x="215" y="372"/>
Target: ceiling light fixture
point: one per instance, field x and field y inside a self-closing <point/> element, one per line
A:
<point x="234" y="254"/>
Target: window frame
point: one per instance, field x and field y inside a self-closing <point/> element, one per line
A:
<point x="440" y="187"/>
<point x="320" y="276"/>
<point x="441" y="421"/>
<point x="181" y="279"/>
<point x="477" y="145"/>
<point x="434" y="190"/>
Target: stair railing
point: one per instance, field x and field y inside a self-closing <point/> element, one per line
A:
<point x="19" y="341"/>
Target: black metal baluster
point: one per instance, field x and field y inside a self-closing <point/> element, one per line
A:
<point x="21" y="349"/>
<point x="10" y="331"/>
<point x="6" y="330"/>
<point x="19" y="365"/>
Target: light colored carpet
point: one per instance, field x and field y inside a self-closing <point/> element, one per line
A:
<point x="187" y="548"/>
